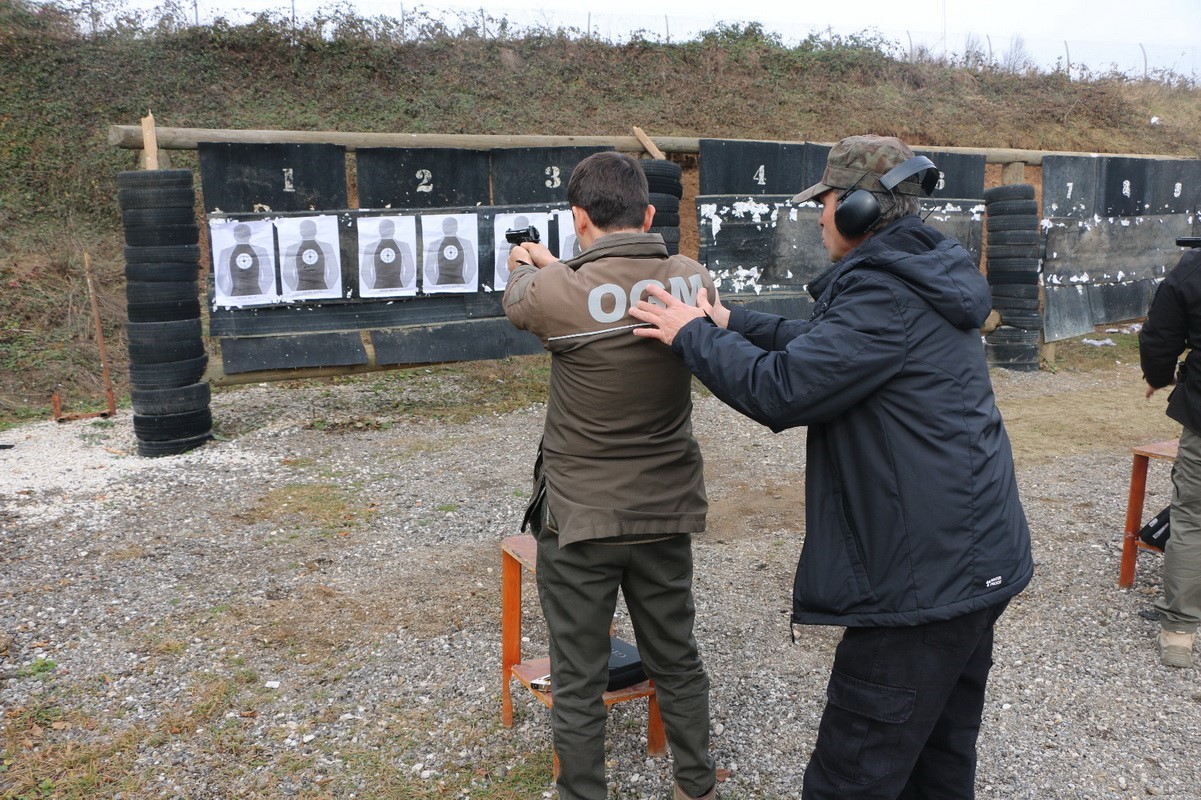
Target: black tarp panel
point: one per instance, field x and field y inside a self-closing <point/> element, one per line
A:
<point x="961" y="175"/>
<point x="454" y="341"/>
<point x="238" y="178"/>
<point x="815" y="164"/>
<point x="422" y="177"/>
<point x="1124" y="187"/>
<point x="1067" y="312"/>
<point x="1070" y="186"/>
<point x="761" y="244"/>
<point x="535" y="174"/>
<point x="1116" y="302"/>
<point x="1175" y="186"/>
<point x="1112" y="250"/>
<point x="737" y="167"/>
<point x="292" y="352"/>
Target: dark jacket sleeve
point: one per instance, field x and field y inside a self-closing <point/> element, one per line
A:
<point x="842" y="358"/>
<point x="1164" y="335"/>
<point x="766" y="331"/>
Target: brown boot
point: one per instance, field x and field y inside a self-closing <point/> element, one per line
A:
<point x="1175" y="649"/>
<point x="709" y="795"/>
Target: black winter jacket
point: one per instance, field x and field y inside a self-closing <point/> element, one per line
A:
<point x="912" y="512"/>
<point x="1173" y="324"/>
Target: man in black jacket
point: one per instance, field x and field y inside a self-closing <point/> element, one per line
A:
<point x="1173" y="324"/>
<point x="915" y="537"/>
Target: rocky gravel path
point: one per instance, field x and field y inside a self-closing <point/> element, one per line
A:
<point x="311" y="609"/>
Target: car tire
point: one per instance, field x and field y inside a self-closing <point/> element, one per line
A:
<point x="177" y="400"/>
<point x="169" y="271"/>
<point x="665" y="203"/>
<point x="1014" y="207"/>
<point x="172" y="447"/>
<point x="1010" y="191"/>
<point x="164" y="311"/>
<point x="168" y="375"/>
<point x="154" y="178"/>
<point x="182" y="253"/>
<point x="171" y="330"/>
<point x="164" y="351"/>
<point x="162" y="235"/>
<point x="1011" y="222"/>
<point x="159" y="197"/>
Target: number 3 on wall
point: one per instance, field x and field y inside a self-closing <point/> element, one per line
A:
<point x="553" y="181"/>
<point x="427" y="180"/>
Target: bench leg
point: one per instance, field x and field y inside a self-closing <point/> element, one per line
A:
<point x="1134" y="519"/>
<point x="510" y="631"/>
<point x="656" y="739"/>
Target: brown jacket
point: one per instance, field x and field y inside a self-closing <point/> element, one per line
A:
<point x="619" y="455"/>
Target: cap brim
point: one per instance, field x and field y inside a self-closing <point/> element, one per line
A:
<point x="813" y="191"/>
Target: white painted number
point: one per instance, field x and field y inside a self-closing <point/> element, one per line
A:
<point x="760" y="176"/>
<point x="427" y="180"/>
<point x="1177" y="190"/>
<point x="1070" y="187"/>
<point x="1126" y="188"/>
<point x="942" y="181"/>
<point x="288" y="185"/>
<point x="553" y="181"/>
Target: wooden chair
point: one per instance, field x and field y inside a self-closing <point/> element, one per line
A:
<point x="1131" y="544"/>
<point x="518" y="552"/>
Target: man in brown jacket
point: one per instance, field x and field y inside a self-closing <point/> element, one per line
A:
<point x="621" y="487"/>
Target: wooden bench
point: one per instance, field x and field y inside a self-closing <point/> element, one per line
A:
<point x="1131" y="544"/>
<point x="518" y="552"/>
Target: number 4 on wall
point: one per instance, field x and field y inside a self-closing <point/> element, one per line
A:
<point x="760" y="176"/>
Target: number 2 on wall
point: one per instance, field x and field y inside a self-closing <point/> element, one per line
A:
<point x="427" y="180"/>
<point x="760" y="176"/>
<point x="553" y="181"/>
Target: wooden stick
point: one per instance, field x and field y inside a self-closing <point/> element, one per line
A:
<point x="108" y="383"/>
<point x="648" y="143"/>
<point x="149" y="142"/>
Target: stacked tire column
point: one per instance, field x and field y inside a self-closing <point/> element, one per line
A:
<point x="666" y="189"/>
<point x="166" y="350"/>
<point x="1013" y="250"/>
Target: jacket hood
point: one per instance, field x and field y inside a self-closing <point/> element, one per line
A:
<point x="936" y="267"/>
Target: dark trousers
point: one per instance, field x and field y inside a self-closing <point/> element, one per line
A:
<point x="577" y="586"/>
<point x="903" y="712"/>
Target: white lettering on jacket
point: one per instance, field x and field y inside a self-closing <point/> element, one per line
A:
<point x="618" y="301"/>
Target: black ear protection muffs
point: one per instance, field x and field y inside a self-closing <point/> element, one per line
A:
<point x="858" y="210"/>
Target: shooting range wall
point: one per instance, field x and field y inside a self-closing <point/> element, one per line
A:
<point x="1108" y="224"/>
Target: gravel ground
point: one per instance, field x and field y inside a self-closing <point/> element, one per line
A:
<point x="311" y="609"/>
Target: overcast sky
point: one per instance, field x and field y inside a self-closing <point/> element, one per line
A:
<point x="1098" y="33"/>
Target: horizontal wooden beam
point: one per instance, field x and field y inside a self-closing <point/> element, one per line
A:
<point x="130" y="138"/>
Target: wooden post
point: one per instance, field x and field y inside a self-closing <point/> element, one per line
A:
<point x="1014" y="172"/>
<point x="108" y="382"/>
<point x="648" y="143"/>
<point x="151" y="157"/>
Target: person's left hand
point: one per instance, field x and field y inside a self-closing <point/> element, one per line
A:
<point x="667" y="318"/>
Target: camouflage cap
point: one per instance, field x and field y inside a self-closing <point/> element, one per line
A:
<point x="859" y="161"/>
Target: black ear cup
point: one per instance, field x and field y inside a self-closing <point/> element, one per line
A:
<point x="858" y="210"/>
<point x="856" y="213"/>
